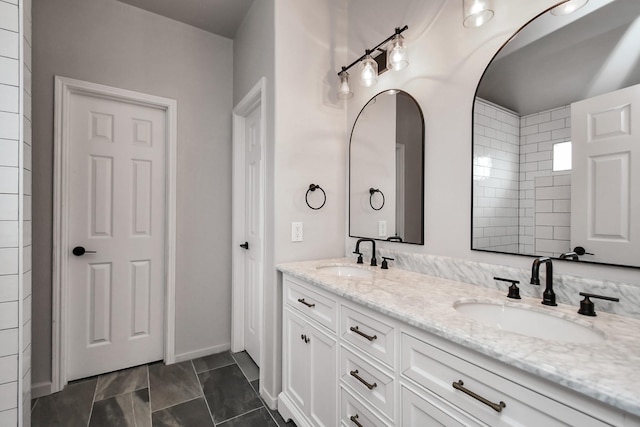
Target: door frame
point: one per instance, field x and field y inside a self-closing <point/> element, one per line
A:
<point x="64" y="88"/>
<point x="254" y="98"/>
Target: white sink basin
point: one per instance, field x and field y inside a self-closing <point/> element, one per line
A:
<point x="345" y="271"/>
<point x="525" y="320"/>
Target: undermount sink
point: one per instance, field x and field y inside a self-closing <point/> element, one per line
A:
<point x="529" y="321"/>
<point x="345" y="271"/>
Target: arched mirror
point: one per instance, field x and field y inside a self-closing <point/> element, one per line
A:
<point x="386" y="170"/>
<point x="556" y="139"/>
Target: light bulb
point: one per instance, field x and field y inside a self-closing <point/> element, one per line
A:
<point x="568" y="7"/>
<point x="477" y="12"/>
<point x="397" y="53"/>
<point x="344" y="91"/>
<point x="368" y="71"/>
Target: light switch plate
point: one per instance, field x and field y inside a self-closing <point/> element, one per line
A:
<point x="382" y="228"/>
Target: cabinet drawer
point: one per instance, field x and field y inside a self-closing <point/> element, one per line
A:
<point x="437" y="370"/>
<point x="354" y="412"/>
<point x="373" y="336"/>
<point x="372" y="383"/>
<point x="428" y="410"/>
<point x="313" y="304"/>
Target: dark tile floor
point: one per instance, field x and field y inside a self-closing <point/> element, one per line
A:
<point x="217" y="390"/>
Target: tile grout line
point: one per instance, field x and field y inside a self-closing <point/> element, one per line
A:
<point x="257" y="391"/>
<point x="95" y="391"/>
<point x="240" y="415"/>
<point x="206" y="402"/>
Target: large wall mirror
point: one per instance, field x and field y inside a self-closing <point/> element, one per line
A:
<point x="386" y="170"/>
<point x="556" y="139"/>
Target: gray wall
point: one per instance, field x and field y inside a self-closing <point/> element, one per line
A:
<point x="108" y="42"/>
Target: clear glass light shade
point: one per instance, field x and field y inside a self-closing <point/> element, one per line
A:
<point x="344" y="91"/>
<point x="568" y="7"/>
<point x="397" y="57"/>
<point x="368" y="71"/>
<point x="477" y="12"/>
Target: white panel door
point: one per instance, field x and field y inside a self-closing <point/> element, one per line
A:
<point x="605" y="183"/>
<point x="253" y="233"/>
<point x="322" y="355"/>
<point x="116" y="204"/>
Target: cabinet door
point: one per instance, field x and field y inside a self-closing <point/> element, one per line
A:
<point x="323" y="374"/>
<point x="295" y="359"/>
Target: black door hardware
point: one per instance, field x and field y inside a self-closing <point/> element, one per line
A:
<point x="302" y="301"/>
<point x="245" y="245"/>
<point x="362" y="334"/>
<point x="579" y="250"/>
<point x="79" y="251"/>
<point x="359" y="378"/>
<point x="354" y="419"/>
<point x="495" y="406"/>
<point x="305" y="338"/>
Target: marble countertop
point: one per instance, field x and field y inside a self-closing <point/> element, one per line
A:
<point x="608" y="371"/>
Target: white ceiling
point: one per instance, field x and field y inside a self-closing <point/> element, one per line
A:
<point x="221" y="17"/>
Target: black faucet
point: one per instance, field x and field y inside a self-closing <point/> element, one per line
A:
<point x="548" y="296"/>
<point x="570" y="255"/>
<point x="374" y="261"/>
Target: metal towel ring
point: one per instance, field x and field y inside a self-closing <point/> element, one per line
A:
<point x="373" y="191"/>
<point x="314" y="187"/>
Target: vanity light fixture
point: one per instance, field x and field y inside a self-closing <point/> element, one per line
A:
<point x="476" y="12"/>
<point x="393" y="58"/>
<point x="568" y="7"/>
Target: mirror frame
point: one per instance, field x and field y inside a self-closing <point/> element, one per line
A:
<point x="473" y="108"/>
<point x="422" y="163"/>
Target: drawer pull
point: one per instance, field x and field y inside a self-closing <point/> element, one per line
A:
<point x="354" y="419"/>
<point x="301" y="300"/>
<point x="359" y="378"/>
<point x="495" y="406"/>
<point x="362" y="334"/>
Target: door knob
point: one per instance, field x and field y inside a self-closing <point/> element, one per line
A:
<point x="79" y="251"/>
<point x="581" y="251"/>
<point x="245" y="245"/>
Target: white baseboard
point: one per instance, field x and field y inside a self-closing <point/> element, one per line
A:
<point x="182" y="357"/>
<point x="269" y="400"/>
<point x="40" y="389"/>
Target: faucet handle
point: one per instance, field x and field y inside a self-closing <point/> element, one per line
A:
<point x="385" y="265"/>
<point x="359" y="257"/>
<point x="514" y="291"/>
<point x="586" y="305"/>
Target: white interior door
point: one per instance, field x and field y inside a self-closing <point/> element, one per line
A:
<point x="117" y="209"/>
<point x="605" y="183"/>
<point x="253" y="232"/>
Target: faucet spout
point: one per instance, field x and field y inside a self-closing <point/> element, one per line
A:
<point x="374" y="261"/>
<point x="548" y="296"/>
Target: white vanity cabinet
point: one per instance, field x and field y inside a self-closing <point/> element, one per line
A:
<point x="309" y="358"/>
<point x="368" y="369"/>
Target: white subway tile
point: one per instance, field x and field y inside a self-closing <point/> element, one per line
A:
<point x="26" y="200"/>
<point x="9" y="98"/>
<point x="27" y="80"/>
<point x="561" y="113"/>
<point x="559" y="192"/>
<point x="552" y="246"/>
<point x="9" y="234"/>
<point x="10" y="417"/>
<point x="26" y="363"/>
<point x="26" y="284"/>
<point x="26" y="337"/>
<point x="9" y="17"/>
<point x="539" y="137"/>
<point x="8" y="394"/>
<point x="564" y="179"/>
<point x="8" y="369"/>
<point x="555" y="219"/>
<point x="529" y="130"/>
<point x="8" y="342"/>
<point x="544" y="181"/>
<point x="26" y="258"/>
<point x="562" y="206"/>
<point x="561" y="133"/>
<point x="562" y="233"/>
<point x="9" y="71"/>
<point x="9" y="153"/>
<point x="27" y="106"/>
<point x="540" y="155"/>
<point x="26" y="232"/>
<point x="26" y="149"/>
<point x="9" y="44"/>
<point x="553" y="125"/>
<point x="26" y="310"/>
<point x="9" y="125"/>
<point x="9" y="315"/>
<point x="9" y="288"/>
<point x="27" y="182"/>
<point x="9" y="180"/>
<point x="27" y="31"/>
<point x="26" y="131"/>
<point x="535" y="119"/>
<point x="544" y="206"/>
<point x="8" y="260"/>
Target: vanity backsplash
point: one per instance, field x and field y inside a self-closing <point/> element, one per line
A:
<point x="566" y="287"/>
